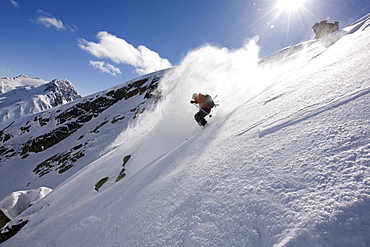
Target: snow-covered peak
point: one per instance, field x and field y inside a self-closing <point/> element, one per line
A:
<point x="7" y="84"/>
<point x="63" y="89"/>
<point x="21" y="76"/>
<point x="21" y="96"/>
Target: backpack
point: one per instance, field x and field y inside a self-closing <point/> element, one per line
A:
<point x="208" y="99"/>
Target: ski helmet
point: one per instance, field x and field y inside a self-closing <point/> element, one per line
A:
<point x="195" y="95"/>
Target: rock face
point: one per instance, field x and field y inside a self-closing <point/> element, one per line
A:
<point x="60" y="92"/>
<point x="3" y="219"/>
<point x="10" y="232"/>
<point x="324" y="28"/>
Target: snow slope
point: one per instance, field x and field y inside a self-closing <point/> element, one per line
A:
<point x="285" y="161"/>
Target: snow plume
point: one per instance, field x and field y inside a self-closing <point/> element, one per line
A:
<point x="119" y="51"/>
<point x="232" y="75"/>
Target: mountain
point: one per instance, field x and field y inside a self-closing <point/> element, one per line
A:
<point x="284" y="162"/>
<point x="21" y="96"/>
<point x="56" y="140"/>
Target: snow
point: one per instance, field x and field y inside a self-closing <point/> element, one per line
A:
<point x="22" y="96"/>
<point x="18" y="201"/>
<point x="7" y="84"/>
<point x="284" y="162"/>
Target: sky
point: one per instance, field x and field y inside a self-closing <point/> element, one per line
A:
<point x="97" y="44"/>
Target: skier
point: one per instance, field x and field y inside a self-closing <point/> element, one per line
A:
<point x="205" y="105"/>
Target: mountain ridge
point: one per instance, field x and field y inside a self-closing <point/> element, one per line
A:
<point x="21" y="96"/>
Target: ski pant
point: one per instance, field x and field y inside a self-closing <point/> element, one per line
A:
<point x="200" y="115"/>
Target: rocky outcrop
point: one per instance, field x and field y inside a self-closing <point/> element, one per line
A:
<point x="324" y="28"/>
<point x="11" y="231"/>
<point x="60" y="92"/>
<point x="3" y="219"/>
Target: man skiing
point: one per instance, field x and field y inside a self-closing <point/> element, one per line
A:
<point x="205" y="105"/>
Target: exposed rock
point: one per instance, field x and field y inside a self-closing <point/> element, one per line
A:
<point x="60" y="92"/>
<point x="3" y="219"/>
<point x="100" y="183"/>
<point x="10" y="232"/>
<point x="324" y="28"/>
<point x="122" y="173"/>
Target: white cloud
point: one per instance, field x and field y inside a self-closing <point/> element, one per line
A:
<point x="41" y="12"/>
<point x="73" y="28"/>
<point x="51" y="22"/>
<point x="15" y="4"/>
<point x="105" y="67"/>
<point x="119" y="51"/>
<point x="5" y="69"/>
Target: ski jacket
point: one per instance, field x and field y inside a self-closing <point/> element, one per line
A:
<point x="203" y="104"/>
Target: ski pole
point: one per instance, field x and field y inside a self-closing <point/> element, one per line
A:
<point x="210" y="115"/>
<point x="216" y="103"/>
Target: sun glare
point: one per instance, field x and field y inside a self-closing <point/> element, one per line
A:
<point x="290" y="5"/>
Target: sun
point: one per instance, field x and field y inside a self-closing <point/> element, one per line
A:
<point x="290" y="5"/>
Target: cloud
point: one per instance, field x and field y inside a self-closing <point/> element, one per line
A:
<point x="51" y="22"/>
<point x="5" y="69"/>
<point x="119" y="51"/>
<point x="105" y="67"/>
<point x="73" y="28"/>
<point x="14" y="3"/>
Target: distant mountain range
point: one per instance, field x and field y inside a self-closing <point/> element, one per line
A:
<point x="21" y="96"/>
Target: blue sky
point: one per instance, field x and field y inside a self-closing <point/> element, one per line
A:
<point x="97" y="44"/>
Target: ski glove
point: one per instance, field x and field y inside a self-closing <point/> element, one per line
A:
<point x="192" y="101"/>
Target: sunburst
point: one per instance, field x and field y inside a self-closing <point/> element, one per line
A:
<point x="290" y="5"/>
